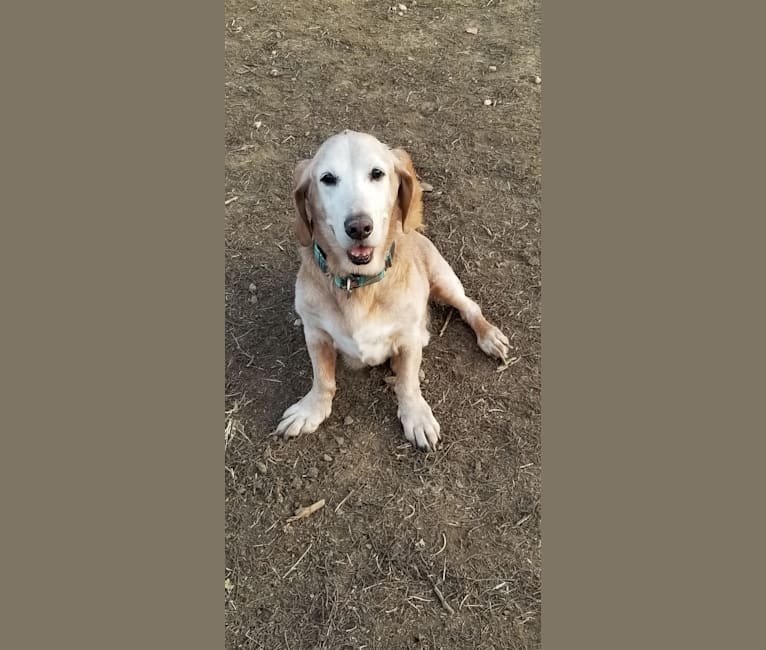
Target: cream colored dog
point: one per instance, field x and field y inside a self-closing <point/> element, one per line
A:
<point x="366" y="276"/>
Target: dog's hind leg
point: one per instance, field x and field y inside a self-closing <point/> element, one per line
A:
<point x="447" y="288"/>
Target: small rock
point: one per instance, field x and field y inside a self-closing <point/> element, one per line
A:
<point x="297" y="322"/>
<point x="400" y="13"/>
<point x="327" y="458"/>
<point x="402" y="7"/>
<point x="278" y="34"/>
<point x="472" y="30"/>
<point x="477" y="467"/>
<point x="488" y="102"/>
<point x="251" y="288"/>
<point x="421" y="374"/>
<point x="538" y="80"/>
<point x="493" y="68"/>
<point x="426" y="187"/>
<point x="274" y="72"/>
<point x="348" y="420"/>
<point x="340" y="440"/>
<point x="228" y="585"/>
<point x="253" y="299"/>
<point x="258" y="125"/>
<point x="368" y="546"/>
<point x="261" y="467"/>
<point x="313" y="472"/>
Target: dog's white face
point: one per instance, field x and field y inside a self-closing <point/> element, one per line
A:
<point x="354" y="186"/>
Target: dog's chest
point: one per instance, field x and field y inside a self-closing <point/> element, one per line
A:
<point x="372" y="336"/>
<point x="370" y="341"/>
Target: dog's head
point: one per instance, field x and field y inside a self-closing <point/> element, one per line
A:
<point x="353" y="197"/>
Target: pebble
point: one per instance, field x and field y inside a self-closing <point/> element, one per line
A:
<point x="402" y="7"/>
<point x="426" y="187"/>
<point x="251" y="288"/>
<point x="327" y="458"/>
<point x="538" y="80"/>
<point x="297" y="322"/>
<point x="488" y="102"/>
<point x="261" y="467"/>
<point x="340" y="440"/>
<point x="348" y="421"/>
<point x="472" y="30"/>
<point x="493" y="68"/>
<point x="253" y="299"/>
<point x="274" y="72"/>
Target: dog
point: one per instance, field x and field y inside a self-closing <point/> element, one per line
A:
<point x="366" y="275"/>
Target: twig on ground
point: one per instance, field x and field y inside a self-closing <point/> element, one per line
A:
<point x="446" y="322"/>
<point x="442" y="599"/>
<point x="444" y="545"/>
<point x="301" y="513"/>
<point x="292" y="568"/>
<point x="344" y="501"/>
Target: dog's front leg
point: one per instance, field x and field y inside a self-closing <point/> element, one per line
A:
<point x="308" y="413"/>
<point x="420" y="426"/>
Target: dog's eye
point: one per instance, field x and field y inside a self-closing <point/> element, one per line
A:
<point x="329" y="179"/>
<point x="376" y="173"/>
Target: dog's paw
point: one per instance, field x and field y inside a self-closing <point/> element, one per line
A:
<point x="419" y="424"/>
<point x="494" y="343"/>
<point x="304" y="416"/>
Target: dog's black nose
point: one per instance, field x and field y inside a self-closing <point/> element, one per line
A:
<point x="358" y="226"/>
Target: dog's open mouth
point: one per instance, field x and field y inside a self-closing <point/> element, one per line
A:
<point x="360" y="254"/>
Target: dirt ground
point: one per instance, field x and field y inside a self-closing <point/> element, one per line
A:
<point x="398" y="524"/>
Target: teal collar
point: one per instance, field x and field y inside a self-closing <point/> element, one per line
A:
<point x="353" y="281"/>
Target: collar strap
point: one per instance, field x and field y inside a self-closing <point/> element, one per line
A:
<point x="353" y="281"/>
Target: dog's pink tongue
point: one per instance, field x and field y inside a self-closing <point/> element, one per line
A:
<point x="361" y="251"/>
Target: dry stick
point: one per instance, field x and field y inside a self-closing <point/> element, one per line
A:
<point x="305" y="512"/>
<point x="344" y="501"/>
<point x="292" y="568"/>
<point x="442" y="599"/>
<point x="444" y="545"/>
<point x="446" y="322"/>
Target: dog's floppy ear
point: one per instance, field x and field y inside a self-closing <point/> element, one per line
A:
<point x="303" y="226"/>
<point x="410" y="196"/>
